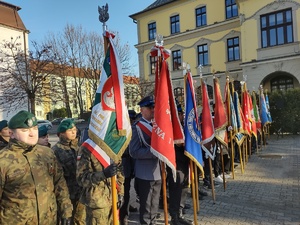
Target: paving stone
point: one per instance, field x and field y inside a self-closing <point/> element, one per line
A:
<point x="268" y="193"/>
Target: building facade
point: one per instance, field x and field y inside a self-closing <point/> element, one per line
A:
<point x="252" y="40"/>
<point x="11" y="28"/>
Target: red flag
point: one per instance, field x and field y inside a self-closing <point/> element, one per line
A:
<point x="167" y="129"/>
<point x="246" y="111"/>
<point x="256" y="112"/>
<point x="253" y="122"/>
<point x="207" y="127"/>
<point x="220" y="115"/>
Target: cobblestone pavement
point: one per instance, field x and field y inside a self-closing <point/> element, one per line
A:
<point x="267" y="193"/>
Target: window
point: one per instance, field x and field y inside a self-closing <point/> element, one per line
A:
<point x="282" y="83"/>
<point x="176" y="55"/>
<point x="201" y="16"/>
<point x="233" y="49"/>
<point x="175" y="28"/>
<point x="153" y="60"/>
<point x="231" y="9"/>
<point x="276" y="28"/>
<point x="152" y="31"/>
<point x="202" y="55"/>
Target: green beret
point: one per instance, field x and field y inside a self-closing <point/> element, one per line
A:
<point x="43" y="131"/>
<point x="3" y="124"/>
<point x="65" y="125"/>
<point x="22" y="119"/>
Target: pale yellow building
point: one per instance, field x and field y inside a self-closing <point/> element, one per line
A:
<point x="248" y="39"/>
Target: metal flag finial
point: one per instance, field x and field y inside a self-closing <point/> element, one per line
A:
<point x="184" y="69"/>
<point x="103" y="15"/>
<point x="159" y="40"/>
<point x="200" y="67"/>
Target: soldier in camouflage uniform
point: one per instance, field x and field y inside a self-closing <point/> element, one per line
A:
<point x="44" y="136"/>
<point x="94" y="178"/>
<point x="4" y="134"/>
<point x="66" y="150"/>
<point x="32" y="186"/>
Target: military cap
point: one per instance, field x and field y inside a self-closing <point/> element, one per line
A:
<point x="22" y="119"/>
<point x="147" y="101"/>
<point x="43" y="131"/>
<point x="132" y="114"/>
<point x="65" y="125"/>
<point x="3" y="124"/>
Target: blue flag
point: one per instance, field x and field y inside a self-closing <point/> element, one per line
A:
<point x="268" y="109"/>
<point x="191" y="129"/>
<point x="263" y="110"/>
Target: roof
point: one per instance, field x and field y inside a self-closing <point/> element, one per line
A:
<point x="154" y="5"/>
<point x="130" y="80"/>
<point x="49" y="67"/>
<point x="9" y="16"/>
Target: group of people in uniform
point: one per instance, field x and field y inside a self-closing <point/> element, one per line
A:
<point x="66" y="184"/>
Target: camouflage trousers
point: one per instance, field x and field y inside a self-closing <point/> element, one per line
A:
<point x="79" y="214"/>
<point x="99" y="216"/>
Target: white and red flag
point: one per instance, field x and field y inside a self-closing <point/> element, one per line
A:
<point x="109" y="128"/>
<point x="167" y="129"/>
<point x="207" y="126"/>
<point x="220" y="115"/>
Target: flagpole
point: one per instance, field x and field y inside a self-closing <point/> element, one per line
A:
<point x="159" y="42"/>
<point x="103" y="18"/>
<point x="230" y="125"/>
<point x="196" y="178"/>
<point x="244" y="144"/>
<point x="195" y="199"/>
<point x="268" y="125"/>
<point x="209" y="159"/>
<point x="193" y="192"/>
<point x="218" y="142"/>
<point x="261" y="93"/>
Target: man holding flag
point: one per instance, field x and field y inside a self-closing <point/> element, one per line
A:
<point x="147" y="167"/>
<point x="99" y="157"/>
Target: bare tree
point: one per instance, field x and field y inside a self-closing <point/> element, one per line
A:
<point x="23" y="74"/>
<point x="81" y="54"/>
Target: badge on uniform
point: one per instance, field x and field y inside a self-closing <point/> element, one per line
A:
<point x="50" y="169"/>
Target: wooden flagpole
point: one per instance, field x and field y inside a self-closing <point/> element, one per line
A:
<point x="193" y="192"/>
<point x="103" y="18"/>
<point x="196" y="179"/>
<point x="164" y="187"/>
<point x="230" y="125"/>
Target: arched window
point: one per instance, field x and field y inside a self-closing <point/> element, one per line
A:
<point x="282" y="83"/>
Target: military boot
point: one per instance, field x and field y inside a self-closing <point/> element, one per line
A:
<point x="184" y="221"/>
<point x="175" y="221"/>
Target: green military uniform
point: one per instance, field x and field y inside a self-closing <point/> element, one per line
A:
<point x="66" y="152"/>
<point x="32" y="185"/>
<point x="97" y="195"/>
<point x="3" y="142"/>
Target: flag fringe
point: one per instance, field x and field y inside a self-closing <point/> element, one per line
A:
<point x="101" y="143"/>
<point x="165" y="160"/>
<point x="191" y="157"/>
